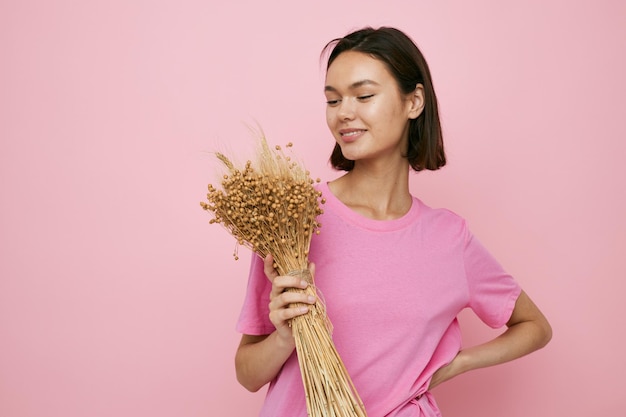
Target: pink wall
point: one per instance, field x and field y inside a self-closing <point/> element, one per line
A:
<point x="118" y="299"/>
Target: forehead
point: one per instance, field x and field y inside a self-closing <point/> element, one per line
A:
<point x="352" y="67"/>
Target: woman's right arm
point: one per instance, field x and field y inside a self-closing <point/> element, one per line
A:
<point x="260" y="358"/>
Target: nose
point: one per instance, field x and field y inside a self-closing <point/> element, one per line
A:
<point x="346" y="110"/>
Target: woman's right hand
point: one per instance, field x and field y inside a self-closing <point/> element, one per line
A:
<point x="283" y="304"/>
<point x="260" y="358"/>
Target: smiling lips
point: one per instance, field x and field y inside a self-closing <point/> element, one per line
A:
<point x="350" y="135"/>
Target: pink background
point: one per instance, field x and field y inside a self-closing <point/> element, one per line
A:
<point x="118" y="299"/>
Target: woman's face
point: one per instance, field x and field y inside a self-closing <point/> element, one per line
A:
<point x="366" y="111"/>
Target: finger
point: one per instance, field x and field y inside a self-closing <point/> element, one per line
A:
<point x="268" y="268"/>
<point x="284" y="299"/>
<point x="281" y="316"/>
<point x="283" y="282"/>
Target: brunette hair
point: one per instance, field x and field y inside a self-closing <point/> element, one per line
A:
<point x="409" y="68"/>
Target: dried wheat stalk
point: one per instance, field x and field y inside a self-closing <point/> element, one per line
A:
<point x="271" y="208"/>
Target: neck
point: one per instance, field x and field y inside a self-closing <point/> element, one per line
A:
<point x="380" y="194"/>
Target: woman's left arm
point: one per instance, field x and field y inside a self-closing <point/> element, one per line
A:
<point x="528" y="330"/>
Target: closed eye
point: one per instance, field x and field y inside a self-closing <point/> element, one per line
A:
<point x="332" y="103"/>
<point x="365" y="97"/>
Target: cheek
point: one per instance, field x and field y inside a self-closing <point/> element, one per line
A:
<point x="385" y="115"/>
<point x="375" y="116"/>
<point x="329" y="116"/>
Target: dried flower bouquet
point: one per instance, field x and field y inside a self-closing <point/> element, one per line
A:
<point x="272" y="207"/>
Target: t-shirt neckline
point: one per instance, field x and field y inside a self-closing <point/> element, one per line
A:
<point x="360" y="220"/>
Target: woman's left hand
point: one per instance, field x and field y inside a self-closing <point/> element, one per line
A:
<point x="528" y="330"/>
<point x="447" y="372"/>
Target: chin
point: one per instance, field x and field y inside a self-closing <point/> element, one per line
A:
<point x="350" y="151"/>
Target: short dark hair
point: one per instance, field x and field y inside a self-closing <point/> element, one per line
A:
<point x="409" y="68"/>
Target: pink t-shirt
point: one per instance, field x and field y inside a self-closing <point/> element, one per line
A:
<point x="393" y="290"/>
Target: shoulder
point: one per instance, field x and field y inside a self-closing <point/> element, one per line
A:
<point x="438" y="214"/>
<point x="441" y="220"/>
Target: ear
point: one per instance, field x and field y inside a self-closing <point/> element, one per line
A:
<point x="417" y="102"/>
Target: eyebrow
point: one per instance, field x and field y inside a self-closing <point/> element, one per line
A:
<point x="352" y="86"/>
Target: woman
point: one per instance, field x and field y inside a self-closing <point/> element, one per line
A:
<point x="394" y="272"/>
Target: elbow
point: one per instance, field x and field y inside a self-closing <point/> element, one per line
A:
<point x="248" y="383"/>
<point x="245" y="377"/>
<point x="546" y="333"/>
<point x="541" y="333"/>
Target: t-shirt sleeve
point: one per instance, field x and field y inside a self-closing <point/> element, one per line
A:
<point x="492" y="291"/>
<point x="254" y="315"/>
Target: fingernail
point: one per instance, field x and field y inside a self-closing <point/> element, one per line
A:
<point x="303" y="309"/>
<point x="304" y="284"/>
<point x="311" y="299"/>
